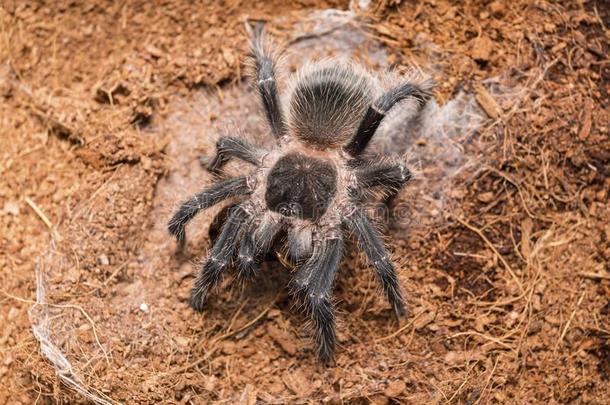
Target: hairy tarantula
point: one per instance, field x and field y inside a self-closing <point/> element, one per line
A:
<point x="307" y="188"/>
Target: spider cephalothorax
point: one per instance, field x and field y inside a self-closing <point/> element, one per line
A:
<point x="301" y="186"/>
<point x="308" y="187"/>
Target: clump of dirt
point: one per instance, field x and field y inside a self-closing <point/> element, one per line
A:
<point x="503" y="254"/>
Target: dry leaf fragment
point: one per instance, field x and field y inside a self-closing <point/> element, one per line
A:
<point x="487" y="102"/>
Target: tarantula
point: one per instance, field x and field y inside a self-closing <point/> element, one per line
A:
<point x="309" y="187"/>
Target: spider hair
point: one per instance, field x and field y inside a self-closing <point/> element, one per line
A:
<point x="305" y="195"/>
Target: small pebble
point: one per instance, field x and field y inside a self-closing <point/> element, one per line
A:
<point x="103" y="260"/>
<point x="395" y="388"/>
<point x="11" y="207"/>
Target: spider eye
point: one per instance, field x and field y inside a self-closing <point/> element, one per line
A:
<point x="290" y="209"/>
<point x="300" y="186"/>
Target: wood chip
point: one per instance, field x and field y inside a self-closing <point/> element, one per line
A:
<point x="486" y="197"/>
<point x="585" y="128"/>
<point x="460" y="357"/>
<point x="395" y="388"/>
<point x="248" y="396"/>
<point x="283" y="339"/>
<point x="487" y="102"/>
<point x="482" y="48"/>
<point x="497" y="7"/>
<point x="298" y="383"/>
<point x="603" y="275"/>
<point x="424" y="320"/>
<point x="154" y="51"/>
<point x="228" y="56"/>
<point x="526" y="233"/>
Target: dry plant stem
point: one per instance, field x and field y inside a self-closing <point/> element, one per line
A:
<point x="487" y="337"/>
<point x="400" y="330"/>
<point x="565" y="329"/>
<point x="235" y="315"/>
<point x="66" y="306"/>
<point x="590" y="274"/>
<point x="114" y="273"/>
<point x="43" y="217"/>
<point x="497" y="304"/>
<point x="517" y="186"/>
<point x="463" y="382"/>
<point x="491" y="373"/>
<point x="493" y="248"/>
<point x="527" y="310"/>
<point x="83" y="205"/>
<point x="39" y="212"/>
<point x="531" y="87"/>
<point x="225" y="336"/>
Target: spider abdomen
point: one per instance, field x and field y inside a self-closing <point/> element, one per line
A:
<point x="301" y="186"/>
<point x="327" y="103"/>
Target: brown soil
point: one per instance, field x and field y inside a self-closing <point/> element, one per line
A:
<point x="105" y="108"/>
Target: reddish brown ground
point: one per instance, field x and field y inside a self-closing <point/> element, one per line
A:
<point x="86" y="91"/>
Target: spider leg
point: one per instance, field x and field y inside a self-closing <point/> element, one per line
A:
<point x="264" y="66"/>
<point x="220" y="257"/>
<point x="230" y="147"/>
<point x="246" y="257"/>
<point x="370" y="242"/>
<point x="378" y="110"/>
<point x="391" y="178"/>
<point x="314" y="281"/>
<point x="299" y="243"/>
<point x="218" y="221"/>
<point x="254" y="243"/>
<point x="205" y="199"/>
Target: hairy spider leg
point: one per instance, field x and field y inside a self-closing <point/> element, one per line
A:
<point x="369" y="241"/>
<point x="378" y="110"/>
<point x="264" y="67"/>
<point x="255" y="242"/>
<point x="246" y="257"/>
<point x="299" y="243"/>
<point x="205" y="199"/>
<point x="220" y="257"/>
<point x="230" y="147"/>
<point x="390" y="177"/>
<point x="313" y="281"/>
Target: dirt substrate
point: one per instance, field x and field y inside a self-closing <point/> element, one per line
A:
<point x="503" y="256"/>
